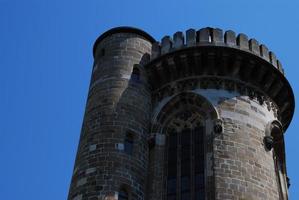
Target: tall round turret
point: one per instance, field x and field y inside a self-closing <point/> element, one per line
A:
<point x="112" y="154"/>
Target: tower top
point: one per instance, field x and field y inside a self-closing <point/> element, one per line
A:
<point x="122" y="29"/>
<point x="246" y="60"/>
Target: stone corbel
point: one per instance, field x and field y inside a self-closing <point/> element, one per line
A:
<point x="218" y="126"/>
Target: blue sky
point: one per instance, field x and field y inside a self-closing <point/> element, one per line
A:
<point x="46" y="60"/>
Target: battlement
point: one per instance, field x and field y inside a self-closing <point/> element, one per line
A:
<point x="214" y="37"/>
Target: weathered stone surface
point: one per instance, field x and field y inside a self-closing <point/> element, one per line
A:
<point x="178" y="39"/>
<point x="204" y="35"/>
<point x="230" y="38"/>
<point x="254" y="46"/>
<point x="191" y="37"/>
<point x="242" y="41"/>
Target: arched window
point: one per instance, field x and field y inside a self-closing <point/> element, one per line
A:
<point x="129" y="142"/>
<point x="185" y="157"/>
<point x="123" y="194"/>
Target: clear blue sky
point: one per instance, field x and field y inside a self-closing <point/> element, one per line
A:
<point x="46" y="59"/>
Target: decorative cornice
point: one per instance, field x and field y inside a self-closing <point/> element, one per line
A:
<point x="212" y="82"/>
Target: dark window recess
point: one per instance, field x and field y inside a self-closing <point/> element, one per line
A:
<point x="129" y="142"/>
<point x="123" y="195"/>
<point x="135" y="75"/>
<point x="188" y="180"/>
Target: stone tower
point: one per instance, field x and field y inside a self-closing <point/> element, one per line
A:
<point x="199" y="115"/>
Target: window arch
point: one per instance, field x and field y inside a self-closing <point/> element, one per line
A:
<point x="187" y="118"/>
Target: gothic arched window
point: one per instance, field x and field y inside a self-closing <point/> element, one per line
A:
<point x="185" y="157"/>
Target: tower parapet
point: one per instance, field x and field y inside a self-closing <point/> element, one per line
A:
<point x="229" y="56"/>
<point x="214" y="37"/>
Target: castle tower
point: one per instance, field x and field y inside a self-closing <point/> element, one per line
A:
<point x="200" y="115"/>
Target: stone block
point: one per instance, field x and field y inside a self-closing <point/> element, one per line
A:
<point x="178" y="39"/>
<point x="81" y="181"/>
<point x="217" y="35"/>
<point x="166" y="44"/>
<point x="264" y="52"/>
<point x="120" y="146"/>
<point x="230" y="38"/>
<point x="92" y="147"/>
<point x="191" y="37"/>
<point x="204" y="35"/>
<point x="90" y="170"/>
<point x="279" y="66"/>
<point x="273" y="59"/>
<point x="254" y="46"/>
<point x="242" y="41"/>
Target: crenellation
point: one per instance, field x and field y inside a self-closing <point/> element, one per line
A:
<point x="178" y="39"/>
<point x="230" y="38"/>
<point x="279" y="67"/>
<point x="273" y="59"/>
<point x="242" y="41"/>
<point x="254" y="46"/>
<point x="166" y="44"/>
<point x="264" y="52"/>
<point x="213" y="36"/>
<point x="217" y="36"/>
<point x="191" y="37"/>
<point x="204" y="36"/>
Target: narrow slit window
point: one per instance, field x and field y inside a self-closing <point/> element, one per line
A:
<point x="129" y="143"/>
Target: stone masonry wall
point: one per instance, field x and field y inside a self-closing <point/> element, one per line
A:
<point x="243" y="168"/>
<point x="117" y="105"/>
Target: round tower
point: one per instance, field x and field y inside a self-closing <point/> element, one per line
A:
<point x="112" y="155"/>
<point x="221" y="105"/>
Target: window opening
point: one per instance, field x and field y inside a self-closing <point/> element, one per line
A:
<point x="129" y="142"/>
<point x="185" y="148"/>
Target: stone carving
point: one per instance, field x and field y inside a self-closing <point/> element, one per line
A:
<point x="218" y="126"/>
<point x="216" y="83"/>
